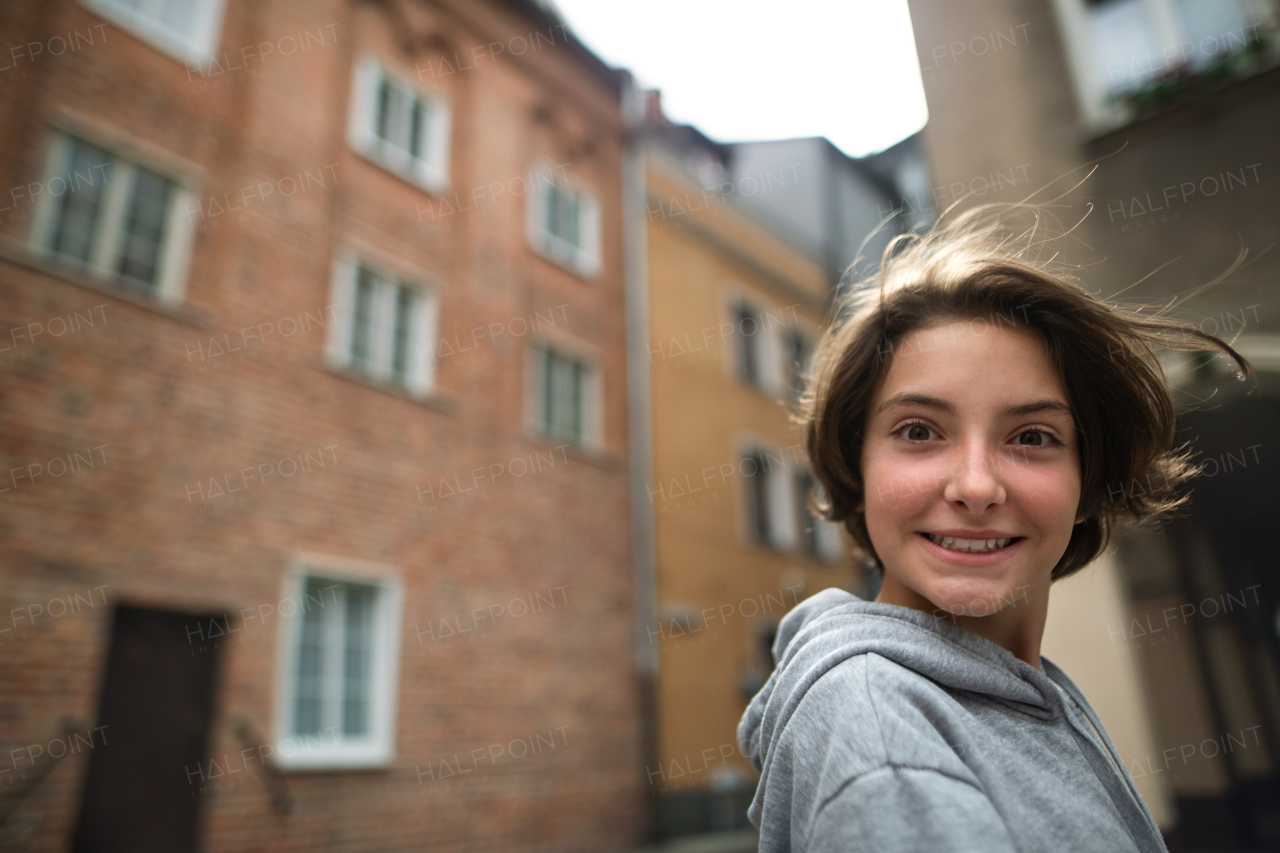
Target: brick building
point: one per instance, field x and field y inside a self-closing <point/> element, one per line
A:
<point x="314" y="518"/>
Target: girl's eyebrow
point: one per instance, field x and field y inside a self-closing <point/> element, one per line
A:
<point x="1029" y="408"/>
<point x="919" y="400"/>
<point x="1036" y="406"/>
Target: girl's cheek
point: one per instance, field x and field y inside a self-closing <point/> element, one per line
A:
<point x="902" y="487"/>
<point x="1046" y="492"/>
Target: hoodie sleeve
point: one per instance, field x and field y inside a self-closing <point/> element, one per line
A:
<point x="906" y="810"/>
<point x="749" y="727"/>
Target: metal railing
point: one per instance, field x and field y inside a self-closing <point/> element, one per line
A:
<point x="10" y="803"/>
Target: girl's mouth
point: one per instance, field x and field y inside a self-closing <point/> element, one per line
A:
<point x="971" y="546"/>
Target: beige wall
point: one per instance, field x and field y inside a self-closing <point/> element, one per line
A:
<point x="1015" y="103"/>
<point x="1085" y="611"/>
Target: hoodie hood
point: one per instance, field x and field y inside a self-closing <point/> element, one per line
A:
<point x="1054" y="779"/>
<point x="833" y="626"/>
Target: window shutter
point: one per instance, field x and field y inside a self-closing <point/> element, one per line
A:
<point x="176" y="242"/>
<point x="433" y="170"/>
<point x="109" y="233"/>
<point x="773" y="353"/>
<point x="364" y="105"/>
<point x="589" y="229"/>
<point x="48" y="209"/>
<point x="784" y="527"/>
<point x="342" y="306"/>
<point x="594" y="416"/>
<point x="422" y="336"/>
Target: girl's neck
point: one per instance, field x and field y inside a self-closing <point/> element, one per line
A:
<point x="1018" y="627"/>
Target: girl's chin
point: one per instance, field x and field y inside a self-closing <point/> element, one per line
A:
<point x="979" y="600"/>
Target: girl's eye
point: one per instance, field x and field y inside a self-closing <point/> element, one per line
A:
<point x="1036" y="438"/>
<point x="915" y="432"/>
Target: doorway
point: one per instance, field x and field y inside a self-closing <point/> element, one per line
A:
<point x="156" y="707"/>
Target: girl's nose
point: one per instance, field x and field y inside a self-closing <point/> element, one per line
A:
<point x="974" y="479"/>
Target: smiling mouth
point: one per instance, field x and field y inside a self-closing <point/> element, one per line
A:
<point x="971" y="546"/>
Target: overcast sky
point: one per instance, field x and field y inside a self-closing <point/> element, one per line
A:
<point x="750" y="69"/>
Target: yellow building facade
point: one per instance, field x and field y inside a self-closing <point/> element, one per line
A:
<point x="734" y="310"/>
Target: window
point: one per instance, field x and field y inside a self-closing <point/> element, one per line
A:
<point x="799" y="350"/>
<point x="750" y="350"/>
<point x="759" y="345"/>
<point x="762" y="635"/>
<point x="1119" y="46"/>
<point x="113" y="220"/>
<point x="767" y="635"/>
<point x="384" y="327"/>
<point x="563" y="396"/>
<point x="564" y="223"/>
<point x="337" y="705"/>
<point x="564" y="213"/>
<point x="400" y="127"/>
<point x="770" y="502"/>
<point x="808" y="521"/>
<point x="820" y="539"/>
<point x="1129" y="40"/>
<point x="186" y="29"/>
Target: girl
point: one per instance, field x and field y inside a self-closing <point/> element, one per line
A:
<point x="973" y="422"/>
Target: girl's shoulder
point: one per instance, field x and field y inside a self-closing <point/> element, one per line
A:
<point x="870" y="712"/>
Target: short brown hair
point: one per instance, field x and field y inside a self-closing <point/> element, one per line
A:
<point x="977" y="267"/>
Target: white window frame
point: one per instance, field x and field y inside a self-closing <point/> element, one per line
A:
<point x="422" y="334"/>
<point x="176" y="240"/>
<point x="431" y="172"/>
<point x="584" y="260"/>
<point x="592" y="392"/>
<point x="194" y="50"/>
<point x="784" y="528"/>
<point x="378" y="749"/>
<point x="1090" y="81"/>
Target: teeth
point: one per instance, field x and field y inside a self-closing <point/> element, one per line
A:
<point x="973" y="546"/>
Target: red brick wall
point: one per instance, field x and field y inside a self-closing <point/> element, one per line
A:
<point x="141" y="386"/>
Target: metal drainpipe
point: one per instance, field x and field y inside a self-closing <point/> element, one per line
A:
<point x="640" y="417"/>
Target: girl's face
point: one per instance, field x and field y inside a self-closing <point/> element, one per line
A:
<point x="970" y="468"/>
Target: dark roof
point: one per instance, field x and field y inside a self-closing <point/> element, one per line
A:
<point x="683" y="137"/>
<point x="883" y="162"/>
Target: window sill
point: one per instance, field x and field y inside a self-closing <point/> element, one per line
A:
<point x="600" y="457"/>
<point x="575" y="268"/>
<point x="19" y="252"/>
<point x="333" y="763"/>
<point x="434" y="400"/>
<point x="1107" y="137"/>
<point x="374" y="156"/>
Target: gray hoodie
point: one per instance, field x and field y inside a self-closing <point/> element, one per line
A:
<point x="885" y="729"/>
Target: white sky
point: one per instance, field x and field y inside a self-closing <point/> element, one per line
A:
<point x="750" y="69"/>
